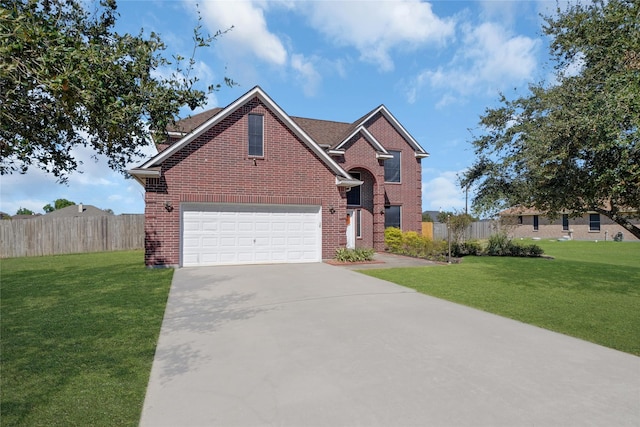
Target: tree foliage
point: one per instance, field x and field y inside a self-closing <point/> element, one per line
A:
<point x="68" y="79"/>
<point x="24" y="211"/>
<point x="457" y="222"/>
<point x="57" y="205"/>
<point x="573" y="144"/>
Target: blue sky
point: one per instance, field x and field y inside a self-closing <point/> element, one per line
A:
<point x="435" y="65"/>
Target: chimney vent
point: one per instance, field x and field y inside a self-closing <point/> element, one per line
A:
<point x="80" y="208"/>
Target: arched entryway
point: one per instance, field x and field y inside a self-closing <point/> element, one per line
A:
<point x="362" y="217"/>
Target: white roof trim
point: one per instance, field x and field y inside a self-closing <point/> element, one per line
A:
<point x="398" y="127"/>
<point x="231" y="108"/>
<point x="141" y="174"/>
<point x="175" y="133"/>
<point x="367" y="135"/>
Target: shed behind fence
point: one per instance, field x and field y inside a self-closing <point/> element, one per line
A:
<point x="54" y="236"/>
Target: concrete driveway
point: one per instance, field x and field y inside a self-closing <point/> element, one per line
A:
<point x="319" y="345"/>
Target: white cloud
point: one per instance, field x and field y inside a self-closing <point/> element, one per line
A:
<point x="250" y="33"/>
<point x="376" y="28"/>
<point x="307" y="75"/>
<point x="441" y="192"/>
<point x="490" y="59"/>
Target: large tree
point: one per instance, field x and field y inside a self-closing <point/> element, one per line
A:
<point x="68" y="79"/>
<point x="572" y="144"/>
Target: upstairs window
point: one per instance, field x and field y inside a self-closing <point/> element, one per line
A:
<point x="392" y="168"/>
<point x="353" y="195"/>
<point x="256" y="141"/>
<point x="594" y="222"/>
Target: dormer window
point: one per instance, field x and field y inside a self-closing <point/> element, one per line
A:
<point x="256" y="140"/>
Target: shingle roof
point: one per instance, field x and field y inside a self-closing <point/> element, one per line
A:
<point x="77" y="210"/>
<point x="188" y="124"/>
<point x="324" y="132"/>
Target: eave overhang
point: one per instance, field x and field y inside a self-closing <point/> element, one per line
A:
<point x="141" y="174"/>
<point x="348" y="182"/>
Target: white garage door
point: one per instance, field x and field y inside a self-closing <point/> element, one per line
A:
<point x="221" y="234"/>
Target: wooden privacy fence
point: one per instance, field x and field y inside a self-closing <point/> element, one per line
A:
<point x="477" y="230"/>
<point x="53" y="236"/>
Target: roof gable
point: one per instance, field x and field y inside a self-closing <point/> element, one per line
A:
<point x="381" y="152"/>
<point x="150" y="167"/>
<point x="419" y="151"/>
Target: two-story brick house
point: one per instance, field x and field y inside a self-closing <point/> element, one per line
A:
<point x="250" y="184"/>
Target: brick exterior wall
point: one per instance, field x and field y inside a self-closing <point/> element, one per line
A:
<point x="216" y="168"/>
<point x="360" y="156"/>
<point x="552" y="229"/>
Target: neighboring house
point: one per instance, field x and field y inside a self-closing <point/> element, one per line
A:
<point x="25" y="216"/>
<point x="591" y="226"/>
<point x="77" y="211"/>
<point x="250" y="184"/>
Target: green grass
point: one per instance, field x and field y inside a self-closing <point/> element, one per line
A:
<point x="78" y="338"/>
<point x="590" y="290"/>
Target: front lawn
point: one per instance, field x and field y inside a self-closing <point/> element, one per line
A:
<point x="590" y="290"/>
<point x="79" y="334"/>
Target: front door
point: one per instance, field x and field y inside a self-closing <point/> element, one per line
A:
<point x="351" y="230"/>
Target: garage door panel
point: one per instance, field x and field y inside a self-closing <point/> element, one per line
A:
<point x="210" y="242"/>
<point x="216" y="234"/>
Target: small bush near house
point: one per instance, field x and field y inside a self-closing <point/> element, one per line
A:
<point x="393" y="239"/>
<point x="354" y="255"/>
<point x="413" y="244"/>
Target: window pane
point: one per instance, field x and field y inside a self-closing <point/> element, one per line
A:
<point x="358" y="223"/>
<point x="392" y="216"/>
<point x="392" y="168"/>
<point x="535" y="222"/>
<point x="255" y="135"/>
<point x="594" y="222"/>
<point x="565" y="222"/>
<point x="353" y="195"/>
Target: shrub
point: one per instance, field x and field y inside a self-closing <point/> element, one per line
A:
<point x="501" y="245"/>
<point x="393" y="239"/>
<point x="354" y="255"/>
<point x="413" y="244"/>
<point x="472" y="247"/>
<point x="498" y="245"/>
